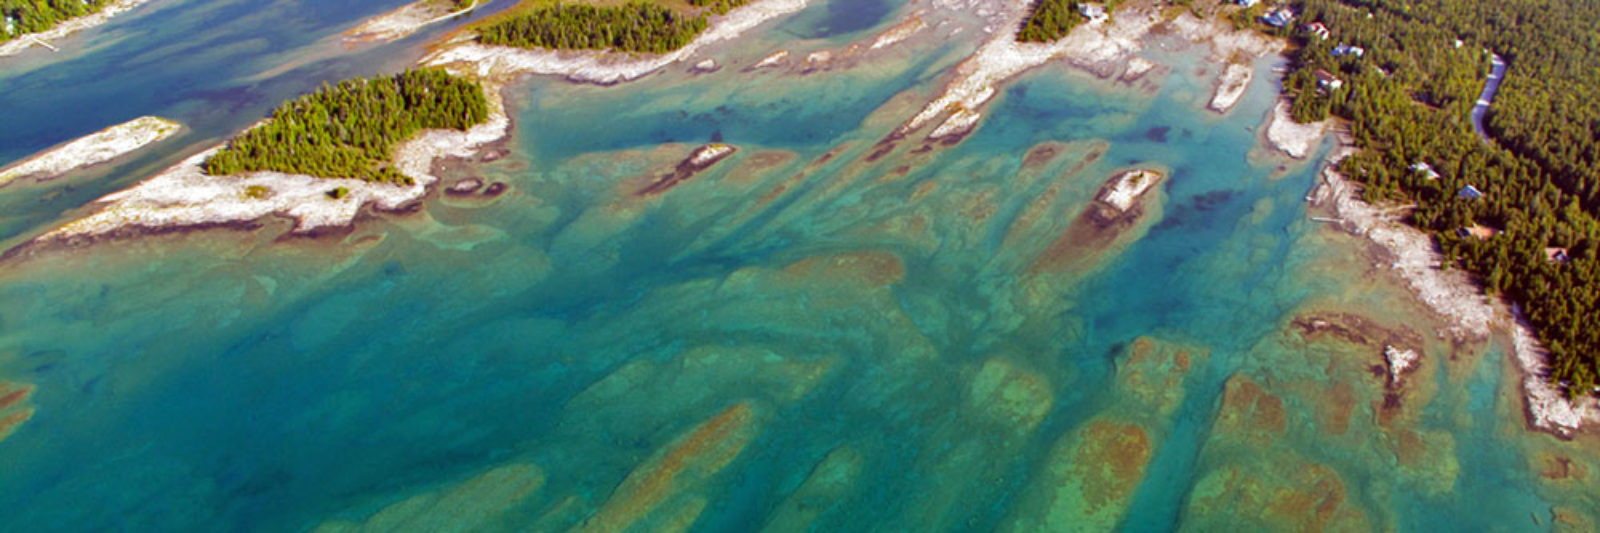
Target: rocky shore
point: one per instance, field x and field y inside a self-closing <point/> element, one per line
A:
<point x="93" y="149"/>
<point x="406" y="20"/>
<point x="600" y="67"/>
<point x="1413" y="256"/>
<point x="22" y="42"/>
<point x="184" y="196"/>
<point x="1105" y="48"/>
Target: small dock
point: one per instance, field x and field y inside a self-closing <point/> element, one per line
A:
<point x="40" y="42"/>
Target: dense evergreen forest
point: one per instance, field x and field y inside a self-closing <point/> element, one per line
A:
<point x="1409" y="100"/>
<point x="631" y="27"/>
<point x="1049" y="20"/>
<point x="719" y="6"/>
<point x="349" y="130"/>
<point x="18" y="17"/>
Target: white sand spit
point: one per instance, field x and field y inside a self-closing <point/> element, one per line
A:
<point x="22" y="42"/>
<point x="1230" y="86"/>
<point x="603" y="67"/>
<point x="1127" y="187"/>
<point x="900" y="32"/>
<point x="1291" y="137"/>
<point x="1001" y="57"/>
<point x="93" y="149"/>
<point x="405" y="21"/>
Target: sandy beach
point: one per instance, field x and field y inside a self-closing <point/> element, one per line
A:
<point x="22" y="42"/>
<point x="93" y="149"/>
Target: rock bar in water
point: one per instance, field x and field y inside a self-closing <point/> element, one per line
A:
<point x="93" y="149"/>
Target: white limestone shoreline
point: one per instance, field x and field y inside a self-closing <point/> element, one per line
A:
<point x="601" y="67"/>
<point x="1103" y="48"/>
<point x="68" y="27"/>
<point x="1230" y="87"/>
<point x="1293" y="138"/>
<point x="406" y="20"/>
<point x="92" y="149"/>
<point x="1453" y="295"/>
<point x="1002" y="57"/>
<point x="1128" y="186"/>
<point x="184" y="196"/>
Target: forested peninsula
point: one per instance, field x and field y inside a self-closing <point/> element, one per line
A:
<point x="21" y="17"/>
<point x="349" y="130"/>
<point x="1519" y="209"/>
<point x="636" y="26"/>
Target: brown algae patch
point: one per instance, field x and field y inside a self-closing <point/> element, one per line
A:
<point x="869" y="269"/>
<point x="13" y="411"/>
<point x="1152" y="375"/>
<point x="1013" y="396"/>
<point x="829" y="483"/>
<point x="1250" y="412"/>
<point x="1089" y="479"/>
<point x="683" y="465"/>
<point x="1284" y="492"/>
<point x="483" y="502"/>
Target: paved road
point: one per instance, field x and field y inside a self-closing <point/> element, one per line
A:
<point x="1497" y="75"/>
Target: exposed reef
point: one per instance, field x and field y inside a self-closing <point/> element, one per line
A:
<point x="702" y="158"/>
<point x="93" y="149"/>
<point x="406" y="20"/>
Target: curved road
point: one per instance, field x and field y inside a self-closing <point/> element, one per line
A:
<point x="1497" y="75"/>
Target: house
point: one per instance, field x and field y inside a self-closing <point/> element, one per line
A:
<point x="1326" y="80"/>
<point x="1556" y="255"/>
<point x="1425" y="169"/>
<point x="1093" y="12"/>
<point x="1247" y="3"/>
<point x="1469" y="193"/>
<point x="1319" y="31"/>
<point x="1348" y="50"/>
<point x="1279" y="18"/>
<point x="1483" y="233"/>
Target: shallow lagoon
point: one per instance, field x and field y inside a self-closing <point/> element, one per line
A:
<point x="798" y="339"/>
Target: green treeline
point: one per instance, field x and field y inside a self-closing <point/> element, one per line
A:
<point x="1049" y="20"/>
<point x="349" y="130"/>
<point x="1409" y="100"/>
<point x="18" y="17"/>
<point x="631" y="27"/>
<point x="719" y="6"/>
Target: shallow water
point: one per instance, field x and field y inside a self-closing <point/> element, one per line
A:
<point x="797" y="339"/>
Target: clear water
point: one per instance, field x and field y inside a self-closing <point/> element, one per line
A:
<point x="798" y="339"/>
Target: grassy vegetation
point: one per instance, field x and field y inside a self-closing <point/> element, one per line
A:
<point x="33" y="16"/>
<point x="1409" y="100"/>
<point x="349" y="130"/>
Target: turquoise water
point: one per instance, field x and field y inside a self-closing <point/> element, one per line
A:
<point x="797" y="339"/>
